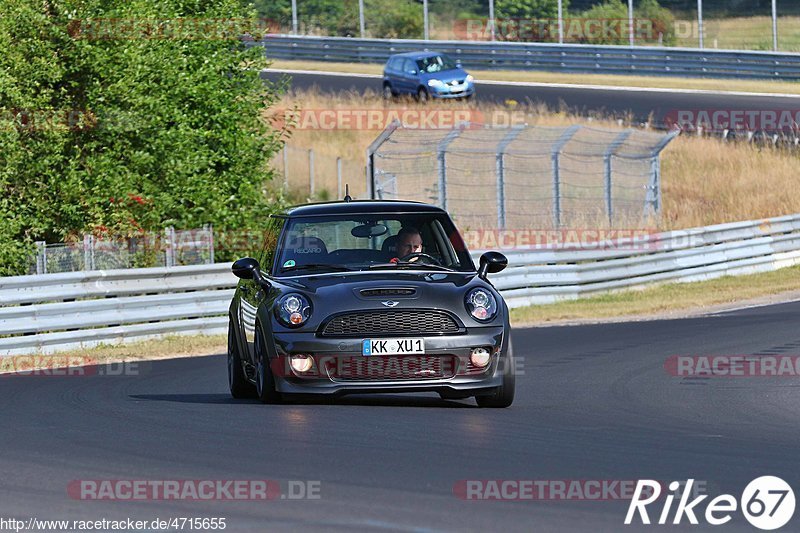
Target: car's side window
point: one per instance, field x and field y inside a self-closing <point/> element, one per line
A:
<point x="409" y="67"/>
<point x="270" y="246"/>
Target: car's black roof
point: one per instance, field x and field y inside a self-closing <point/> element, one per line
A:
<point x="359" y="207"/>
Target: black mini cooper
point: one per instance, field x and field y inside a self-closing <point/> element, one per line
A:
<point x="368" y="297"/>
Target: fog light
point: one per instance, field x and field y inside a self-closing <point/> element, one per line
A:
<point x="480" y="357"/>
<point x="301" y="363"/>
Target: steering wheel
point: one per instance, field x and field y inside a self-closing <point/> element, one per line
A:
<point x="422" y="255"/>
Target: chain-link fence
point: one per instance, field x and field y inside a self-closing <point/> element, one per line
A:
<point x="716" y="24"/>
<point x="317" y="174"/>
<point x="524" y="176"/>
<point x="170" y="248"/>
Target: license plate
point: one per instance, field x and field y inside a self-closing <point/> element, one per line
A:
<point x="393" y="346"/>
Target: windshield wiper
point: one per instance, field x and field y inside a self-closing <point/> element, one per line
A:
<point x="420" y="266"/>
<point x="317" y="266"/>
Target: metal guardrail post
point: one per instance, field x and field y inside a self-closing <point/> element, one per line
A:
<point x="500" y="165"/>
<point x="556" y="160"/>
<point x="609" y="153"/>
<point x="441" y="160"/>
<point x="376" y="144"/>
<point x="210" y="229"/>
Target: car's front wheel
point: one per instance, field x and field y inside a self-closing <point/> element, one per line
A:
<point x="265" y="380"/>
<point x="237" y="381"/>
<point x="502" y="396"/>
<point x="422" y="95"/>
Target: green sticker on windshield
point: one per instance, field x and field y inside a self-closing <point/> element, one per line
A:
<point x="289" y="263"/>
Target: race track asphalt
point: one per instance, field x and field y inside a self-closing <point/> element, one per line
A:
<point x="639" y="105"/>
<point x="593" y="403"/>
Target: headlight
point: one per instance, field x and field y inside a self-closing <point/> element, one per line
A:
<point x="470" y="79"/>
<point x="481" y="304"/>
<point x="293" y="310"/>
<point x="435" y="83"/>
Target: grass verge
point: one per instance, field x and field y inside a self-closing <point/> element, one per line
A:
<point x="648" y="82"/>
<point x="669" y="300"/>
<point x="164" y="348"/>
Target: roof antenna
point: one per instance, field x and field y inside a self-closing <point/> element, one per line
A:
<point x="347" y="192"/>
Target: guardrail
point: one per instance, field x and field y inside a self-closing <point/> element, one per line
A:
<point x="574" y="58"/>
<point x="54" y="312"/>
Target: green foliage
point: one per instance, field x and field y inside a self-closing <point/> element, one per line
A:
<point x="651" y="21"/>
<point x="399" y="19"/>
<point x="383" y="18"/>
<point x="529" y="9"/>
<point x="131" y="132"/>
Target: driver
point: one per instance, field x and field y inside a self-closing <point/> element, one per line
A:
<point x="409" y="241"/>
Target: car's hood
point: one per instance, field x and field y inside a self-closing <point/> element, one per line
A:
<point x="446" y="76"/>
<point x="335" y="293"/>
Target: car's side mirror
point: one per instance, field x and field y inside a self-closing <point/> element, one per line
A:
<point x="248" y="268"/>
<point x="492" y="263"/>
<point x="411" y="71"/>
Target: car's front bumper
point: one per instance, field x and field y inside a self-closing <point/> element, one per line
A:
<point x="339" y="367"/>
<point x="464" y="91"/>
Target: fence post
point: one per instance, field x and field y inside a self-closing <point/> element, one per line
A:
<point x="338" y="178"/>
<point x="41" y="257"/>
<point x="609" y="153"/>
<point x="376" y="144"/>
<point x="700" y="29"/>
<point x="653" y="199"/>
<point x="285" y="167"/>
<point x="169" y="255"/>
<point x="442" y="162"/>
<point x="500" y="169"/>
<point x="311" y="172"/>
<point x="556" y="160"/>
<point x="210" y="229"/>
<point x="87" y="252"/>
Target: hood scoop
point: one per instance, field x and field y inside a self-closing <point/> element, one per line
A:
<point x="389" y="292"/>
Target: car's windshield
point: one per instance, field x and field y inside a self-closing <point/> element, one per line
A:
<point x="360" y="242"/>
<point x="436" y="63"/>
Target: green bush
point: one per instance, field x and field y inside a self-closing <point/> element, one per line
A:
<point x="659" y="21"/>
<point x="529" y="9"/>
<point x="130" y="130"/>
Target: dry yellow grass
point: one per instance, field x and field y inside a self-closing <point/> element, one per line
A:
<point x="704" y="181"/>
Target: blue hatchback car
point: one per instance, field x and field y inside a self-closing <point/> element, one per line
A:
<point x="426" y="75"/>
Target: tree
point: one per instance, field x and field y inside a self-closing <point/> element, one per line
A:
<point x="120" y="116"/>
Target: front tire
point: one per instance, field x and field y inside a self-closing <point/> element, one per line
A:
<point x="265" y="380"/>
<point x="422" y="95"/>
<point x="502" y="396"/>
<point x="237" y="381"/>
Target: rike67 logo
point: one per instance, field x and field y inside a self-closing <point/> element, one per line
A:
<point x="767" y="503"/>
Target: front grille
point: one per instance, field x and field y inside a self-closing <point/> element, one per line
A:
<point x="398" y="322"/>
<point x="391" y="368"/>
<point x="385" y="293"/>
